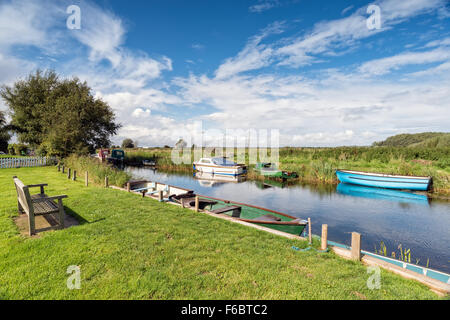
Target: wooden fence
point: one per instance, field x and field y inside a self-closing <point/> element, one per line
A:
<point x="26" y="162"/>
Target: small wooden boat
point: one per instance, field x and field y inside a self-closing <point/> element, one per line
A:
<point x="219" y="166"/>
<point x="188" y="200"/>
<point x="152" y="189"/>
<point x="381" y="180"/>
<point x="149" y="163"/>
<point x="271" y="170"/>
<point x="257" y="215"/>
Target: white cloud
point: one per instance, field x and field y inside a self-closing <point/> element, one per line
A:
<point x="255" y="55"/>
<point x="264" y="5"/>
<point x="197" y="46"/>
<point x="385" y="65"/>
<point x="328" y="36"/>
<point x="141" y="113"/>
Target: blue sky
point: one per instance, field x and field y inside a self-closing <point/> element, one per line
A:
<point x="310" y="69"/>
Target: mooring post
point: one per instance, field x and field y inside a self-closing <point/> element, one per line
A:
<point x="128" y="187"/>
<point x="182" y="202"/>
<point x="160" y="196"/>
<point x="106" y="182"/>
<point x="309" y="231"/>
<point x="356" y="246"/>
<point x="324" y="239"/>
<point x="74" y="178"/>
<point x="86" y="178"/>
<point x="196" y="203"/>
<point x="63" y="169"/>
<point x="68" y="173"/>
<point x="59" y="168"/>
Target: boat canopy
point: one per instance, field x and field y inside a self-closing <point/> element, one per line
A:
<point x="223" y="162"/>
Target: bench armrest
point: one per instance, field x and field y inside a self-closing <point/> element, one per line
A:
<point x="50" y="198"/>
<point x="37" y="185"/>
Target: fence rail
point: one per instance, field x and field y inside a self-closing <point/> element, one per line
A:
<point x="26" y="162"/>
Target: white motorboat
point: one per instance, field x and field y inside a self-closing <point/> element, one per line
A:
<point x="219" y="166"/>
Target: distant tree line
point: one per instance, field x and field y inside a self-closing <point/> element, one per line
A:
<point x="424" y="139"/>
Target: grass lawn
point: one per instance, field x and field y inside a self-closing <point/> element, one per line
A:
<point x="129" y="247"/>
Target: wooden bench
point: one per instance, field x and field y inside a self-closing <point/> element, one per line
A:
<point x="38" y="204"/>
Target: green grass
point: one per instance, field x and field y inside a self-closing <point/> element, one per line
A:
<point x="131" y="247"/>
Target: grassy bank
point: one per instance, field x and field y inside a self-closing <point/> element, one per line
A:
<point x="97" y="171"/>
<point x="317" y="165"/>
<point x="129" y="247"/>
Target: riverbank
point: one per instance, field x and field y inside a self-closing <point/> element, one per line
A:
<point x="317" y="165"/>
<point x="129" y="247"/>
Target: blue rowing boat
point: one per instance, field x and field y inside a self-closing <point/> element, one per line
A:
<point x="382" y="194"/>
<point x="381" y="180"/>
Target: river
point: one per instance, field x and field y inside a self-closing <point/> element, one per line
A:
<point x="392" y="217"/>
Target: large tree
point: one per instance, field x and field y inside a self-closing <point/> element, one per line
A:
<point x="128" y="143"/>
<point x="4" y="135"/>
<point x="58" y="117"/>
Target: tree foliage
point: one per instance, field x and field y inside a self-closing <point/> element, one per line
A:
<point x="424" y="139"/>
<point x="4" y="135"/>
<point x="128" y="143"/>
<point x="58" y="117"/>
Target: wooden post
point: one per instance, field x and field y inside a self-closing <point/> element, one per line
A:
<point x="356" y="246"/>
<point x="68" y="173"/>
<point x="324" y="239"/>
<point x="106" y="182"/>
<point x="196" y="203"/>
<point x="309" y="231"/>
<point x="160" y="195"/>
<point x="86" y="179"/>
<point x="59" y="168"/>
<point x="74" y="178"/>
<point x="128" y="186"/>
<point x="182" y="202"/>
<point x="63" y="169"/>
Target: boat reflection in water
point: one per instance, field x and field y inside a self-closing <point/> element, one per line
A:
<point x="382" y="194"/>
<point x="214" y="180"/>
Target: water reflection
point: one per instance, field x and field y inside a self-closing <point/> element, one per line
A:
<point x="214" y="180"/>
<point x="382" y="194"/>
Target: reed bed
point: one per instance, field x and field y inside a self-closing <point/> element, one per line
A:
<point x="97" y="170"/>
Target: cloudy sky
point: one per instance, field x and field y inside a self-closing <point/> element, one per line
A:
<point x="313" y="70"/>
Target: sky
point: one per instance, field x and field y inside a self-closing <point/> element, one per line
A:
<point x="322" y="73"/>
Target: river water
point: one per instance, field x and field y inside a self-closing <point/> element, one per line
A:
<point x="392" y="217"/>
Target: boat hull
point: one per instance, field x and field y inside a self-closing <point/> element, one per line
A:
<point x="252" y="214"/>
<point x="220" y="170"/>
<point x="384" y="180"/>
<point x="151" y="188"/>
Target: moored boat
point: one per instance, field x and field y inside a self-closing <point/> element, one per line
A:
<point x="149" y="163"/>
<point x="257" y="215"/>
<point x="152" y="189"/>
<point x="219" y="166"/>
<point x="188" y="200"/>
<point x="387" y="181"/>
<point x="271" y="170"/>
